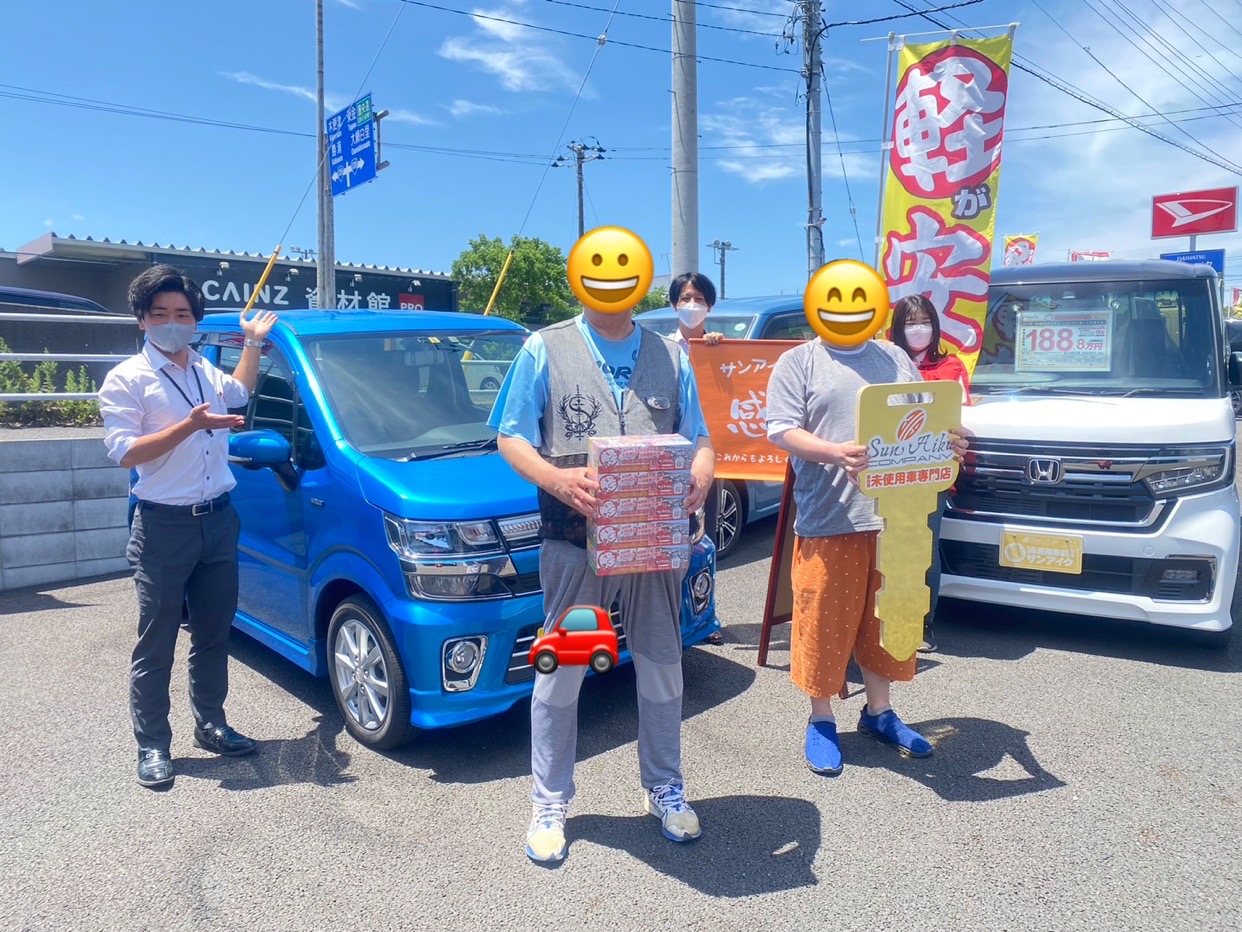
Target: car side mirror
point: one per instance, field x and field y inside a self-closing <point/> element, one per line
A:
<point x="560" y="631"/>
<point x="256" y="449"/>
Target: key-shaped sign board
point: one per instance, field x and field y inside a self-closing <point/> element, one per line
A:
<point x="905" y="428"/>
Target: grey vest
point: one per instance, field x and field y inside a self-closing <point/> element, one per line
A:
<point x="581" y="405"/>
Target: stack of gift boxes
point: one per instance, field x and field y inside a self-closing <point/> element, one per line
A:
<point x="642" y="523"/>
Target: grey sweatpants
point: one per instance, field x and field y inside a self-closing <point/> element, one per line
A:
<point x="650" y="614"/>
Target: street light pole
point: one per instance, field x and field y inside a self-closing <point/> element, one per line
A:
<point x="722" y="247"/>
<point x="326" y="260"/>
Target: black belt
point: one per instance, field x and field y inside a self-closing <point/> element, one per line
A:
<point x="188" y="511"/>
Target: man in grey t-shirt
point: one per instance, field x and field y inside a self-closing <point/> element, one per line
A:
<point x="812" y="402"/>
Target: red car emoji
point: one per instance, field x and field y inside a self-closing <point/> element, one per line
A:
<point x="582" y="635"/>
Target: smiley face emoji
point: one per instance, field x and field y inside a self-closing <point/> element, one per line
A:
<point x="609" y="269"/>
<point x="846" y="302"/>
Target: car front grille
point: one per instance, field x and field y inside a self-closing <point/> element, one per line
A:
<point x="520" y="670"/>
<point x="1100" y="573"/>
<point x="1093" y="487"/>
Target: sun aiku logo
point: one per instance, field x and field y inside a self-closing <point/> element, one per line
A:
<point x="911" y="424"/>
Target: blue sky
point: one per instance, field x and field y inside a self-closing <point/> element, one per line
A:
<point x="482" y="104"/>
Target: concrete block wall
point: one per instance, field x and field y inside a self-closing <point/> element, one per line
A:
<point x="63" y="508"/>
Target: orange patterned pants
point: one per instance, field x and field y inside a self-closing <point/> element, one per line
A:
<point x="834" y="585"/>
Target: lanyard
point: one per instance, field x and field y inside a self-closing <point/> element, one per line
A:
<point x="181" y="391"/>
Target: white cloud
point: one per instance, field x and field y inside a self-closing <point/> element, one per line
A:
<point x="464" y="108"/>
<point x="399" y="115"/>
<point x="78" y="217"/>
<point x="245" y="77"/>
<point x="350" y="3"/>
<point x="49" y="223"/>
<point x="522" y="59"/>
<point x="332" y="102"/>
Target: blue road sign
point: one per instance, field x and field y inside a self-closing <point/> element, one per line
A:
<point x="1213" y="257"/>
<point x="351" y="146"/>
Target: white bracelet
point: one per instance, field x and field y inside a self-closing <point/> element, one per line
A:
<point x="250" y="342"/>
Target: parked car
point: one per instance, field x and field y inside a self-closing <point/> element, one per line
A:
<point x="1100" y="478"/>
<point x="1233" y="330"/>
<point x="385" y="542"/>
<point x="582" y="635"/>
<point x="779" y="317"/>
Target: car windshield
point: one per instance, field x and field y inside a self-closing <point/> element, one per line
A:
<point x="1154" y="338"/>
<point x="415" y="395"/>
<point x="733" y="326"/>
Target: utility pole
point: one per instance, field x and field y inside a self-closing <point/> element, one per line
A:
<point x="325" y="280"/>
<point x="812" y="35"/>
<point x="722" y="247"/>
<point x="685" y="140"/>
<point x="580" y="150"/>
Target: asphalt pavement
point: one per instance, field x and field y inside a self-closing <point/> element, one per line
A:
<point x="1086" y="776"/>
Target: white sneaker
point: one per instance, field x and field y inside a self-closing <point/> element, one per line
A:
<point x="545" y="839"/>
<point x="668" y="803"/>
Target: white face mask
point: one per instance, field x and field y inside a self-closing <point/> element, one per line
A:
<point x="172" y="337"/>
<point x="691" y="315"/>
<point x="918" y="336"/>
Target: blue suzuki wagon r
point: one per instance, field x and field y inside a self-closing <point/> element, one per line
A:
<point x="385" y="543"/>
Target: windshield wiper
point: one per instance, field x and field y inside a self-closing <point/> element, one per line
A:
<point x="450" y="448"/>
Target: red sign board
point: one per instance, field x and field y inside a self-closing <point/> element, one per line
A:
<point x="1189" y="213"/>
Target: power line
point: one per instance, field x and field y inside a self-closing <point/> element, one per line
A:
<point x="667" y="20"/>
<point x="596" y="38"/>
<point x="1133" y="92"/>
<point x="1066" y="88"/>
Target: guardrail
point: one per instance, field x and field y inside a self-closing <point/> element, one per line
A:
<point x="61" y="357"/>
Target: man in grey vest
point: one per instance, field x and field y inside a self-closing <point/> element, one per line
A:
<point x="600" y="375"/>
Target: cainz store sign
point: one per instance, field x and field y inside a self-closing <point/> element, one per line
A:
<point x="288" y="288"/>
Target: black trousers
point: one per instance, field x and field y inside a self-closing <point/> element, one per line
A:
<point x="181" y="560"/>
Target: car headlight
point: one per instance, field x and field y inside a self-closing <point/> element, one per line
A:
<point x="414" y="539"/>
<point x="1189" y="473"/>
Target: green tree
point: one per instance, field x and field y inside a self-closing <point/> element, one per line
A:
<point x="535" y="290"/>
<point x="656" y="298"/>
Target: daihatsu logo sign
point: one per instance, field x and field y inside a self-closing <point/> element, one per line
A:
<point x="1189" y="213"/>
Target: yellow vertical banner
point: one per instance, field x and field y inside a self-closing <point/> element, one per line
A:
<point x="942" y="179"/>
<point x="1020" y="249"/>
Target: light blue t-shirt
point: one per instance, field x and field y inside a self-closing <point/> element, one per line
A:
<point x="523" y="397"/>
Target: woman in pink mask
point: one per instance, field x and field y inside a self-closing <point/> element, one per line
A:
<point x="916" y="329"/>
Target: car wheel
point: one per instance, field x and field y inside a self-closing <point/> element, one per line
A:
<point x="1236" y="398"/>
<point x="601" y="662"/>
<point x="368" y="681"/>
<point x="489" y="385"/>
<point x="730" y="517"/>
<point x="545" y="662"/>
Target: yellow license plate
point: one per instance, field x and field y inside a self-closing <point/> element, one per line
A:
<point x="1055" y="553"/>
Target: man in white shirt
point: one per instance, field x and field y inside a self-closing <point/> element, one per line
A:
<point x="165" y="413"/>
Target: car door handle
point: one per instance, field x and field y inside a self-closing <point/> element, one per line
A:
<point x="318" y="502"/>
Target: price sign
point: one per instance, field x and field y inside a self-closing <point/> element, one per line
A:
<point x="1076" y="341"/>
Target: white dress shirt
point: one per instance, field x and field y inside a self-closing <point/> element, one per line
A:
<point x="137" y="399"/>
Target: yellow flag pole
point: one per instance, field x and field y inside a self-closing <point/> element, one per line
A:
<point x="499" y="282"/>
<point x="254" y="295"/>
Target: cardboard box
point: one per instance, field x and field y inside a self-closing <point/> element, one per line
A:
<point x="626" y="510"/>
<point x="644" y="484"/>
<point x="639" y="534"/>
<point x="616" y="561"/>
<point x="659" y="453"/>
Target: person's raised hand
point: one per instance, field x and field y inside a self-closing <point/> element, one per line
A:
<point x="201" y="418"/>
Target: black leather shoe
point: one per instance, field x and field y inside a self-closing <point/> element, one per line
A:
<point x="155" y="768"/>
<point x="222" y="739"/>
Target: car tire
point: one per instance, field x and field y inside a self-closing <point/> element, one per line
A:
<point x="489" y="385"/>
<point x="601" y="662"/>
<point x="1236" y="398"/>
<point x="730" y="517"/>
<point x="545" y="662"/>
<point x="368" y="681"/>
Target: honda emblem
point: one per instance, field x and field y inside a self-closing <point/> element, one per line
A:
<point x="1044" y="471"/>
